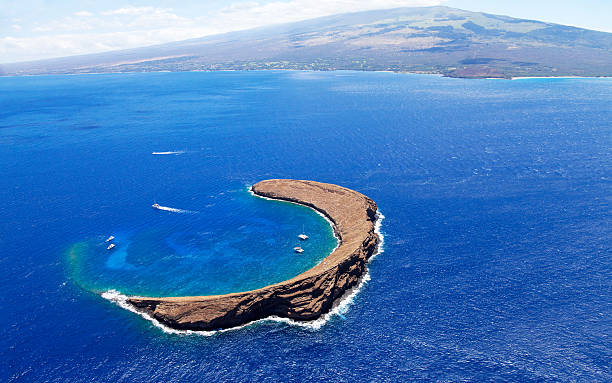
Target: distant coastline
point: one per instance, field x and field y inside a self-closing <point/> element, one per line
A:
<point x="554" y="77"/>
<point x="435" y="40"/>
<point x="307" y="70"/>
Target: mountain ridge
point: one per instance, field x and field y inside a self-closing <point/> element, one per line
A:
<point x="442" y="40"/>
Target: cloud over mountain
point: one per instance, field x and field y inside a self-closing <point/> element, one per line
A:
<point x="84" y="31"/>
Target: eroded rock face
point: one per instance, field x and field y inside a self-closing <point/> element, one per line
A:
<point x="304" y="297"/>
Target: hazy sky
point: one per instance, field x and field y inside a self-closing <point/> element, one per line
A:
<point x="35" y="29"/>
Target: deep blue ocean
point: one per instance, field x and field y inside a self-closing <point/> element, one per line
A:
<point x="497" y="263"/>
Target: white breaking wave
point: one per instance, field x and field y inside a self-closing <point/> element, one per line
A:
<point x="121" y="301"/>
<point x="339" y="308"/>
<point x="176" y="153"/>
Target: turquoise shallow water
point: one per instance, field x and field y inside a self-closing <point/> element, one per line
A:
<point x="236" y="242"/>
<point x="498" y="242"/>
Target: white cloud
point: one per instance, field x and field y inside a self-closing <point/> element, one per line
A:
<point x="128" y="27"/>
<point x="83" y="14"/>
<point x="42" y="29"/>
<point x="255" y="14"/>
<point x="136" y="11"/>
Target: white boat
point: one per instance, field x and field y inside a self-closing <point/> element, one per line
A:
<point x="303" y="236"/>
<point x="298" y="249"/>
<point x="110" y="238"/>
<point x="111" y="246"/>
<point x="156" y="206"/>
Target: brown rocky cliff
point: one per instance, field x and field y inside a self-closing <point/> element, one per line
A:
<point x="304" y="297"/>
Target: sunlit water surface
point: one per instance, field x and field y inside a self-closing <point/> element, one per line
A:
<point x="496" y="194"/>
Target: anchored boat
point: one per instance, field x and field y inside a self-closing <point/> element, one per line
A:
<point x="303" y="236"/>
<point x="298" y="249"/>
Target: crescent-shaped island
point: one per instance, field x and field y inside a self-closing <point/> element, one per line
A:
<point x="305" y="297"/>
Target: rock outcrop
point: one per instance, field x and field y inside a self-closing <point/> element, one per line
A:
<point x="304" y="297"/>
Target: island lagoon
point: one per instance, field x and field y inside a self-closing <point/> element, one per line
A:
<point x="497" y="253"/>
<point x="237" y="242"/>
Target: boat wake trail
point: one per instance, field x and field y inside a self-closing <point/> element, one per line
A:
<point x="173" y="210"/>
<point x="176" y="153"/>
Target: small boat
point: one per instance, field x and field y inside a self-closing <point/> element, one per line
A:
<point x="298" y="249"/>
<point x="156" y="206"/>
<point x="111" y="246"/>
<point x="110" y="238"/>
<point x="303" y="236"/>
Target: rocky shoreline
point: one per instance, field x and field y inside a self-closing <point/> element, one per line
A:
<point x="304" y="297"/>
